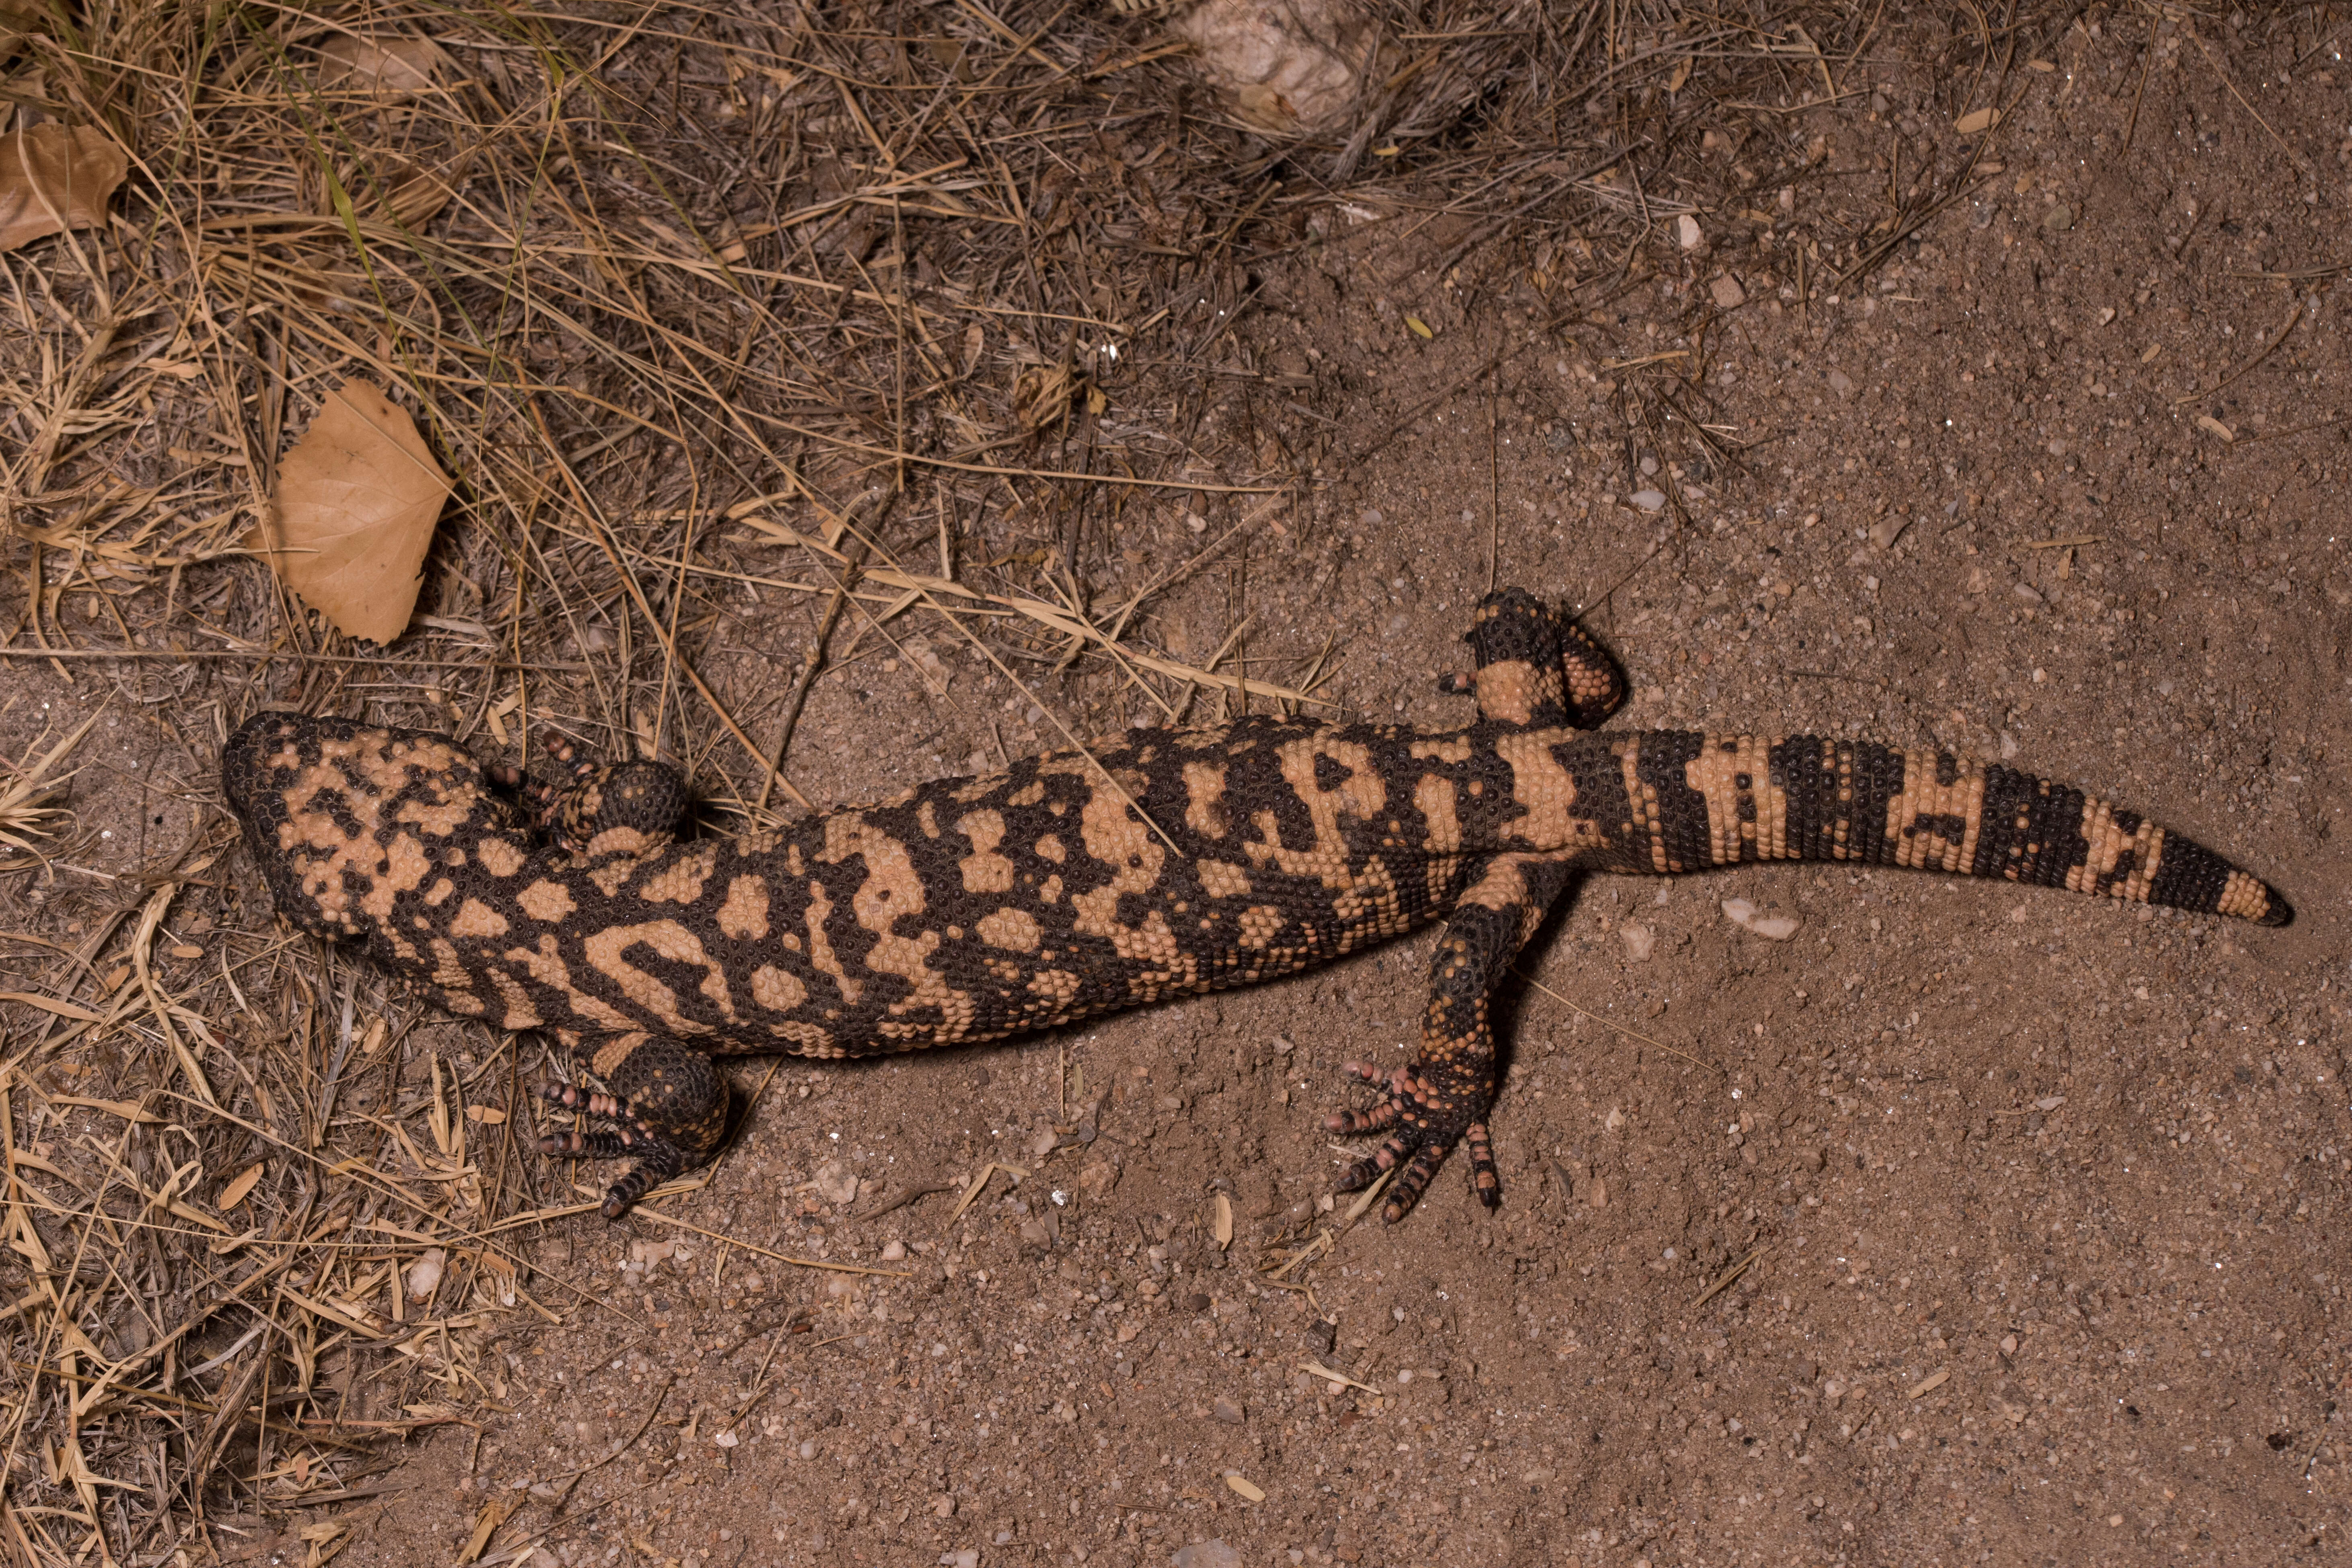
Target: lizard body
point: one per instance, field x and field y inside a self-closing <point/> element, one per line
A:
<point x="1156" y="864"/>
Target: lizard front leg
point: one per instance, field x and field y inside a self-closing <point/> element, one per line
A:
<point x="668" y="1108"/>
<point x="601" y="808"/>
<point x="1441" y="1097"/>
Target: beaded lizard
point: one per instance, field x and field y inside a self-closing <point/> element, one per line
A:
<point x="1157" y="864"/>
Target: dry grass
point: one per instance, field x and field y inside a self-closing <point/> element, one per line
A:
<point x="876" y="323"/>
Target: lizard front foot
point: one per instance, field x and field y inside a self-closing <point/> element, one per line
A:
<point x="629" y="1138"/>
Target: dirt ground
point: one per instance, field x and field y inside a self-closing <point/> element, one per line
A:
<point x="1967" y="1224"/>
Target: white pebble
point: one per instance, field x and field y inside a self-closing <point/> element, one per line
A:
<point x="424" y="1274"/>
<point x="1772" y="928"/>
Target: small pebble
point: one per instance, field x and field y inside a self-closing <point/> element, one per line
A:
<point x="894" y="1251"/>
<point x="1727" y="293"/>
<point x="1772" y="928"/>
<point x="1648" y="499"/>
<point x="1640" y="941"/>
<point x="1209" y="1553"/>
<point x="1226" y="1410"/>
<point x="1196" y="1302"/>
<point x="835" y="1184"/>
<point x="2058" y="219"/>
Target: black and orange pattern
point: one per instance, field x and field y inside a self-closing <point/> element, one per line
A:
<point x="1165" y="863"/>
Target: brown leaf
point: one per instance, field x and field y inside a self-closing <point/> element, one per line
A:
<point x="1041" y="396"/>
<point x="389" y="186"/>
<point x="20" y="19"/>
<point x="386" y="69"/>
<point x="237" y="1189"/>
<point x="357" y="500"/>
<point x="52" y="178"/>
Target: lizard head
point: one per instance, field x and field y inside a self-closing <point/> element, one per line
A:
<point x="348" y="820"/>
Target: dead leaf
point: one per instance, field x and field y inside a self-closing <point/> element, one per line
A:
<point x="1977" y="120"/>
<point x="1041" y="396"/>
<point x="1243" y="1488"/>
<point x="52" y="178"/>
<point x="51" y="1004"/>
<point x="239" y="1187"/>
<point x="386" y="69"/>
<point x="486" y="1523"/>
<point x="1221" y="1222"/>
<point x="2208" y="423"/>
<point x="391" y="187"/>
<point x="357" y="500"/>
<point x="20" y="19"/>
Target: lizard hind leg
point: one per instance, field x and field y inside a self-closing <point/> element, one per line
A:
<point x="668" y="1108"/>
<point x="1441" y="1097"/>
<point x="1596" y="687"/>
<point x="1536" y="667"/>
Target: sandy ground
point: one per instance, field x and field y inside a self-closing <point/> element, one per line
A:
<point x="2039" y="1203"/>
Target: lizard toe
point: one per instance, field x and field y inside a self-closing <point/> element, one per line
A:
<point x="1372" y="1166"/>
<point x="1414" y="1180"/>
<point x="1485" y="1180"/>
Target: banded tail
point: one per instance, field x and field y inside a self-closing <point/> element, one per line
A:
<point x="1698" y="801"/>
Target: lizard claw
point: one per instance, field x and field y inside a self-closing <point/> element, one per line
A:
<point x="571" y="1096"/>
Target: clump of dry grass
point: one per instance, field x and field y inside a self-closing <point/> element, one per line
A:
<point x="888" y="314"/>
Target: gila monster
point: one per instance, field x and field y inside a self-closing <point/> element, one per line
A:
<point x="1160" y="863"/>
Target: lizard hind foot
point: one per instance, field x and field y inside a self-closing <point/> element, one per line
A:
<point x="1422" y="1126"/>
